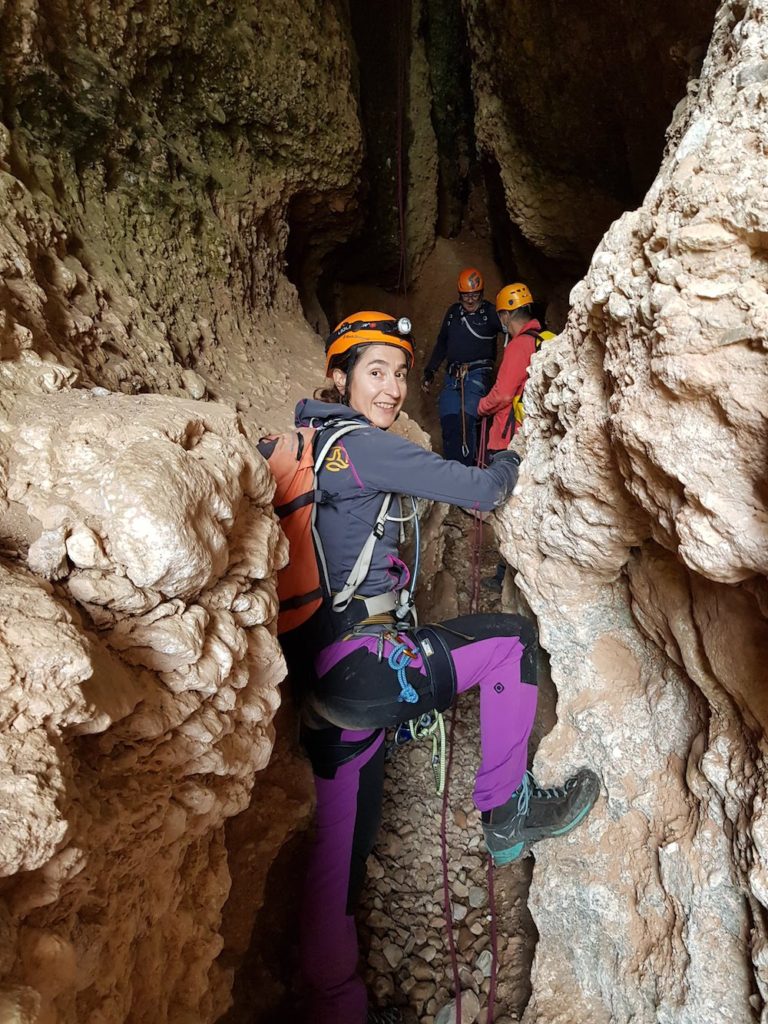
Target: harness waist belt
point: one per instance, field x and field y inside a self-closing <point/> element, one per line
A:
<point x="359" y="609"/>
<point x="456" y="369"/>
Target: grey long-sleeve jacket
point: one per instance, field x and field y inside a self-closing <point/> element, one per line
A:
<point x="361" y="468"/>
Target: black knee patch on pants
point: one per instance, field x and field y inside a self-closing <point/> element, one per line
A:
<point x="469" y="629"/>
<point x="327" y="751"/>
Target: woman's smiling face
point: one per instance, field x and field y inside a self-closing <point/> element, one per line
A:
<point x="377" y="385"/>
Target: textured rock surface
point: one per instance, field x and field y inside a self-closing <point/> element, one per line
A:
<point x="146" y="184"/>
<point x="568" y="168"/>
<point x="138" y="683"/>
<point x="640" y="538"/>
<point x="154" y="159"/>
<point x="151" y="160"/>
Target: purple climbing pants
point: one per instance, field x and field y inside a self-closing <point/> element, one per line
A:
<point x="358" y="694"/>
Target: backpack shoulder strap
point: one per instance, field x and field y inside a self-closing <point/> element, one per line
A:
<point x="532" y="332"/>
<point x="362" y="566"/>
<point x="337" y="429"/>
<point x="541" y="336"/>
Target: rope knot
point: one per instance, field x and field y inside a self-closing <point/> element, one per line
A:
<point x="399" y="657"/>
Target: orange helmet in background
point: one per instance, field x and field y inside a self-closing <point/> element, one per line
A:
<point x="470" y="280"/>
<point x="367" y="328"/>
<point x="513" y="296"/>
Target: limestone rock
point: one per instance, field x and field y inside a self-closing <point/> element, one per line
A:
<point x="639" y="539"/>
<point x="155" y="523"/>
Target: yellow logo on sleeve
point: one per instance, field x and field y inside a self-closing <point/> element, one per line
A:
<point x="337" y="459"/>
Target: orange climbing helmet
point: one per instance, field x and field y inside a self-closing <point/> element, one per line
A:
<point x="513" y="296"/>
<point x="367" y="328"/>
<point x="470" y="280"/>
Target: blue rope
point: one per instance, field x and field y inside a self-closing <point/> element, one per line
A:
<point x="398" y="660"/>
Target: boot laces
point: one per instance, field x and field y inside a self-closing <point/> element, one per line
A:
<point x="530" y="790"/>
<point x="533" y="789"/>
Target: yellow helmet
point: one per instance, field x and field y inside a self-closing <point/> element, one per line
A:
<point x="367" y="328"/>
<point x="513" y="296"/>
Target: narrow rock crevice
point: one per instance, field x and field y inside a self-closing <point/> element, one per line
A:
<point x="190" y="194"/>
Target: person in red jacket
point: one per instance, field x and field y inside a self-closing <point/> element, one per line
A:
<point x="514" y="304"/>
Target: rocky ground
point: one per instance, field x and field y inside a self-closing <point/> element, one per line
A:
<point x="402" y="919"/>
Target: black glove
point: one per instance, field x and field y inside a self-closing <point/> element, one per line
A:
<point x="506" y="456"/>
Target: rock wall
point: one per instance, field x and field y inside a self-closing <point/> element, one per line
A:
<point x="639" y="534"/>
<point x="571" y="104"/>
<point x="151" y="160"/>
<point x="150" y="156"/>
<point x="138" y="683"/>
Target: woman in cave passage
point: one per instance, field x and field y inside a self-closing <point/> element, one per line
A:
<point x="364" y="627"/>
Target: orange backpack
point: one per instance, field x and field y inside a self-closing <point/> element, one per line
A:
<point x="295" y="465"/>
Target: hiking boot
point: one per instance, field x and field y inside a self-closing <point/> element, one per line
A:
<point x="389" y="1015"/>
<point x="533" y="813"/>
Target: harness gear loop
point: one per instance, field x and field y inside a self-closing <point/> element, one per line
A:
<point x="399" y="657"/>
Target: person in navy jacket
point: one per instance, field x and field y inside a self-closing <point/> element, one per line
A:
<point x="466" y="343"/>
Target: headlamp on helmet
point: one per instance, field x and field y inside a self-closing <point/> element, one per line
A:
<point x="367" y="328"/>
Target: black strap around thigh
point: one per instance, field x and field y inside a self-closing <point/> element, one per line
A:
<point x="438" y="662"/>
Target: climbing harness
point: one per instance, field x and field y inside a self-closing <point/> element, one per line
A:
<point x="460" y="371"/>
